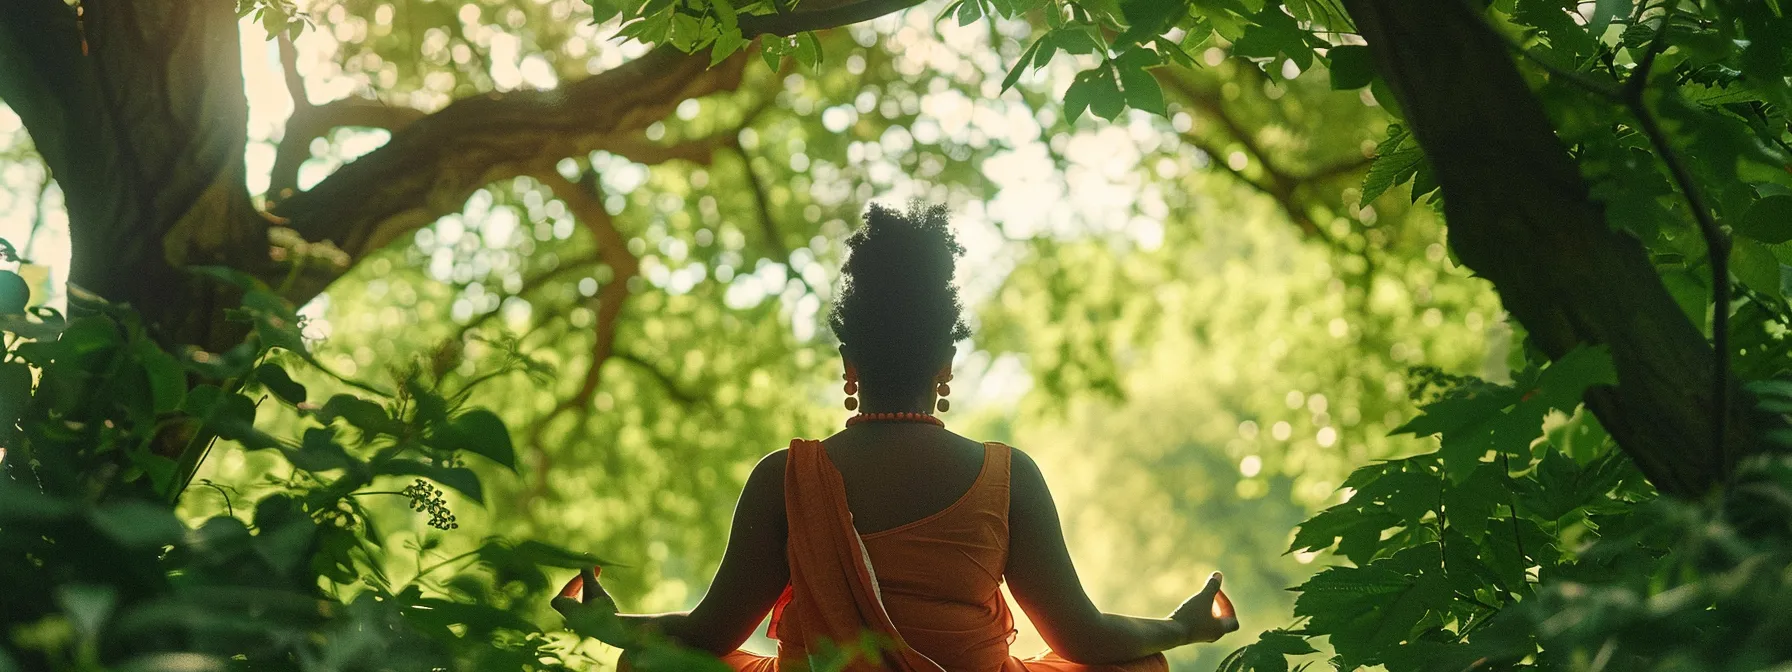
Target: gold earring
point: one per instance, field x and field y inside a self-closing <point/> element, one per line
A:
<point x="852" y="388"/>
<point x="943" y="389"/>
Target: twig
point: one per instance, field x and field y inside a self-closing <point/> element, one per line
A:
<point x="769" y="226"/>
<point x="665" y="379"/>
<point x="444" y="563"/>
<point x="530" y="285"/>
<point x="1512" y="501"/>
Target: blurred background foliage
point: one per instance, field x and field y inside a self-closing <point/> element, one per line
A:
<point x="1188" y="319"/>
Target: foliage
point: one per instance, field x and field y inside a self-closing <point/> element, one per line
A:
<point x="103" y="430"/>
<point x="1552" y="517"/>
<point x="1536" y="545"/>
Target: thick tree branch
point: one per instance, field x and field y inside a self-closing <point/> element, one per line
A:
<point x="701" y="151"/>
<point x="289" y="71"/>
<point x="1520" y="215"/>
<point x="434" y="163"/>
<point x="1717" y="243"/>
<point x="791" y="23"/>
<point x="311" y="122"/>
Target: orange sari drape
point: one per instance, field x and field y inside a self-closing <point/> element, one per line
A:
<point x="938" y="607"/>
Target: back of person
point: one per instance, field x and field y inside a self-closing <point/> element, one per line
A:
<point x="931" y="509"/>
<point x="890" y="541"/>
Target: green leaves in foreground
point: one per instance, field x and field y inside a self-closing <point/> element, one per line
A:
<point x="1481" y="420"/>
<point x="1441" y="544"/>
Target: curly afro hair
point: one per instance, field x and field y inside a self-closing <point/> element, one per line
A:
<point x="898" y="313"/>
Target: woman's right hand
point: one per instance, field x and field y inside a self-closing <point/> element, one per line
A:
<point x="1209" y="614"/>
<point x="583" y="589"/>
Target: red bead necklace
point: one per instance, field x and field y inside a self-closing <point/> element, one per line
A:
<point x="895" y="417"/>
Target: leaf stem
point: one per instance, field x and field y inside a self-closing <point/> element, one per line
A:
<point x="422" y="572"/>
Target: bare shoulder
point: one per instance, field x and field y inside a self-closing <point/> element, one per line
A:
<point x="1026" y="481"/>
<point x="773" y="463"/>
<point x="764" y="489"/>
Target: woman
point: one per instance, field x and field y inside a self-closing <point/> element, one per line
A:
<point x="901" y="529"/>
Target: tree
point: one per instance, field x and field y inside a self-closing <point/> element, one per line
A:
<point x="1593" y="194"/>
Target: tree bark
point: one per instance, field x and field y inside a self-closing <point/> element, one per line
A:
<point x="140" y="117"/>
<point x="1519" y="214"/>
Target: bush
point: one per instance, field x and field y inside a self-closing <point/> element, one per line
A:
<point x="104" y="431"/>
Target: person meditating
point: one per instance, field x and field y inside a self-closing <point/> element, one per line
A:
<point x="899" y="528"/>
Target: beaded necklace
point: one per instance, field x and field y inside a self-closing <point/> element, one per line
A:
<point x="895" y="417"/>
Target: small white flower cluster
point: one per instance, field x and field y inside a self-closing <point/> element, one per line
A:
<point x="286" y="244"/>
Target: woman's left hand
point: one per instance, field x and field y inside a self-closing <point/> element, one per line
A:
<point x="583" y="589"/>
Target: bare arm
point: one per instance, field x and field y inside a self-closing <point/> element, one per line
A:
<point x="754" y="572"/>
<point x="1045" y="583"/>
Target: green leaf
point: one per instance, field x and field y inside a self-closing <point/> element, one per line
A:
<point x="14" y="293"/>
<point x="477" y="620"/>
<point x="1175" y="52"/>
<point x="728" y="35"/>
<point x="1581" y="437"/>
<point x="480" y="432"/>
<point x="1273" y="32"/>
<point x="1395" y="161"/>
<point x="1075" y="40"/>
<point x="1469" y="503"/>
<point x="1373" y="608"/>
<point x="1148" y="19"/>
<point x="1389" y="170"/>
<point x="1106" y="100"/>
<point x="549" y="555"/>
<point x="318" y="451"/>
<point x="1564" y="381"/>
<point x="808" y="50"/>
<point x="1604" y="13"/>
<point x="1021" y="66"/>
<point x="1079" y="95"/>
<point x="89" y="335"/>
<point x="138" y="524"/>
<point x="1142" y="90"/>
<point x="275" y="378"/>
<point x="1768" y="220"/>
<point x="1268" y="654"/>
<point x="460" y="479"/>
<point x="167" y="380"/>
<point x="363" y="414"/>
<point x="1351" y="67"/>
<point x="87" y="606"/>
<point x="231" y="416"/>
<point x="969" y="12"/>
<point x="1755" y="265"/>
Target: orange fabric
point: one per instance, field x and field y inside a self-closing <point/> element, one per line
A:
<point x="934" y="598"/>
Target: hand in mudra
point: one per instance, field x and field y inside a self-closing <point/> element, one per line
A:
<point x="1208" y="615"/>
<point x="583" y="589"/>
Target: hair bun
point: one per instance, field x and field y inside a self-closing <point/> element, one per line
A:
<point x="897" y="309"/>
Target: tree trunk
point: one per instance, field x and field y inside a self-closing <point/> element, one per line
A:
<point x="141" y="117"/>
<point x="1519" y="215"/>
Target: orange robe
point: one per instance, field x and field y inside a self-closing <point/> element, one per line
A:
<point x="929" y="592"/>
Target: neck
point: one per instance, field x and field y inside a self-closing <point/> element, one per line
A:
<point x="876" y="404"/>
